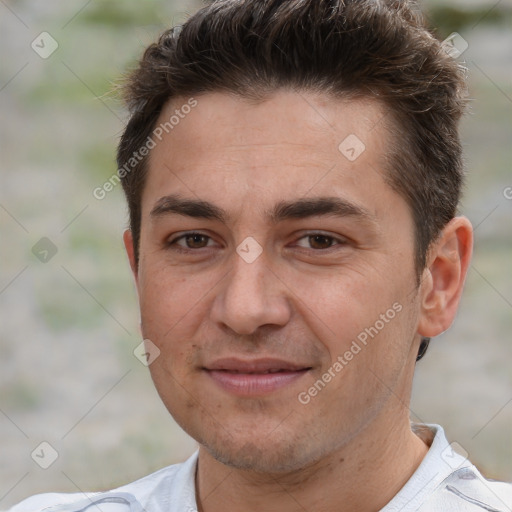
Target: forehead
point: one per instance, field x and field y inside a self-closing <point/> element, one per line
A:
<point x="290" y="144"/>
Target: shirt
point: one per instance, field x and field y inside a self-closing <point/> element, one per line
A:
<point x="445" y="481"/>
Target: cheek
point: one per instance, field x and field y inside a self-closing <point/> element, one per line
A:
<point x="172" y="309"/>
<point x="342" y="303"/>
<point x="167" y="296"/>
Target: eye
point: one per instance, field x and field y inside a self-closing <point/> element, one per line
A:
<point x="192" y="241"/>
<point x="319" y="241"/>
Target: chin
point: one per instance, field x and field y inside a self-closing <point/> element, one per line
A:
<point x="261" y="454"/>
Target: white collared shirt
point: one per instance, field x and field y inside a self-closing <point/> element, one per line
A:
<point x="444" y="482"/>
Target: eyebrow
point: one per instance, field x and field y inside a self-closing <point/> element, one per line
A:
<point x="284" y="210"/>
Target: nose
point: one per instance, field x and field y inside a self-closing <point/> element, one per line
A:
<point x="252" y="296"/>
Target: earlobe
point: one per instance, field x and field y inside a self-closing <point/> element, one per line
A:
<point x="130" y="251"/>
<point x="443" y="279"/>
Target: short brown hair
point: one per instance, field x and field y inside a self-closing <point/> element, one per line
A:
<point x="369" y="48"/>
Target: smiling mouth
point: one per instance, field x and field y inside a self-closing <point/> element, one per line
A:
<point x="252" y="378"/>
<point x="276" y="370"/>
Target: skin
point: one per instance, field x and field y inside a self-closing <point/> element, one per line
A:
<point x="303" y="299"/>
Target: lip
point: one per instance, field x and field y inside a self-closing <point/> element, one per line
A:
<point x="254" y="377"/>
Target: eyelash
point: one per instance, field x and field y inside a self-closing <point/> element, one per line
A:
<point x="335" y="241"/>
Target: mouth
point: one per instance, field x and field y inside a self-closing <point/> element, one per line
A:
<point x="254" y="377"/>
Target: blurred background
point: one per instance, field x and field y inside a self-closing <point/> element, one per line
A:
<point x="69" y="317"/>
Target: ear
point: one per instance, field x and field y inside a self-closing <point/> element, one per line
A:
<point x="130" y="251"/>
<point x="443" y="278"/>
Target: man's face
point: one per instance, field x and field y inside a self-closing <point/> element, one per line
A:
<point x="296" y="256"/>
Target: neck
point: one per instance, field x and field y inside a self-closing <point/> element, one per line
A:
<point x="362" y="476"/>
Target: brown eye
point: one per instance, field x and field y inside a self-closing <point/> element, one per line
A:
<point x="190" y="241"/>
<point x="320" y="241"/>
<point x="196" y="241"/>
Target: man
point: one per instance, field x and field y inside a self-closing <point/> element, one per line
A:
<point x="292" y="170"/>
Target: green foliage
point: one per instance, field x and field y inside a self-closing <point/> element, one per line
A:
<point x="447" y="18"/>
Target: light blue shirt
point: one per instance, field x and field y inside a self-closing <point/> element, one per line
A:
<point x="444" y="482"/>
